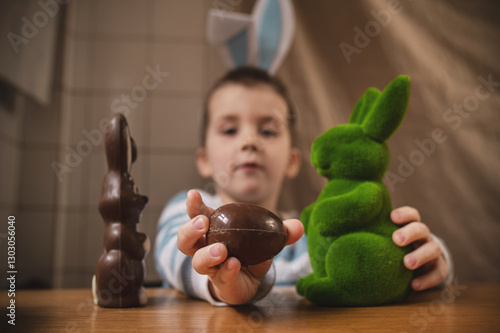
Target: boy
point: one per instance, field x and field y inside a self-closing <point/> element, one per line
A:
<point x="247" y="150"/>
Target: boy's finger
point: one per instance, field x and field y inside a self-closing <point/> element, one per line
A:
<point x="433" y="278"/>
<point x="190" y="235"/>
<point x="424" y="254"/>
<point x="258" y="271"/>
<point x="295" y="230"/>
<point x="411" y="233"/>
<point x="206" y="259"/>
<point x="195" y="205"/>
<point x="405" y="214"/>
<point x="227" y="273"/>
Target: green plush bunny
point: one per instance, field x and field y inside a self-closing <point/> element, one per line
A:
<point x="349" y="230"/>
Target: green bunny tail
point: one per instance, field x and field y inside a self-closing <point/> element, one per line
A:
<point x="389" y="109"/>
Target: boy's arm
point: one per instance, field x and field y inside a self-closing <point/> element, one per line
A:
<point x="174" y="267"/>
<point x="229" y="281"/>
<point x="186" y="270"/>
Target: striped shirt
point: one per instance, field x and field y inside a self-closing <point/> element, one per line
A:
<point x="176" y="270"/>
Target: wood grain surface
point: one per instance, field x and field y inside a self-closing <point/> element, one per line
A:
<point x="461" y="308"/>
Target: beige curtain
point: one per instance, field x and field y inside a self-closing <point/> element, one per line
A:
<point x="451" y="50"/>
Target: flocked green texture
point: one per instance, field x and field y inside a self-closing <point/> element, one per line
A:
<point x="349" y="230"/>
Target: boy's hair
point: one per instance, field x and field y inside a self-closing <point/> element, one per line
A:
<point x="249" y="77"/>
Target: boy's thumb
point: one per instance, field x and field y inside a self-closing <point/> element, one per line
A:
<point x="195" y="205"/>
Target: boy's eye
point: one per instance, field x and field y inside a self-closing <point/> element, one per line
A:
<point x="266" y="132"/>
<point x="229" y="131"/>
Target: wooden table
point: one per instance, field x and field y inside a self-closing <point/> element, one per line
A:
<point x="463" y="308"/>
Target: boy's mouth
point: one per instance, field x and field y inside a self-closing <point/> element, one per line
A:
<point x="250" y="166"/>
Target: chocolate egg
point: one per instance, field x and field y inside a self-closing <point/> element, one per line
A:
<point x="251" y="233"/>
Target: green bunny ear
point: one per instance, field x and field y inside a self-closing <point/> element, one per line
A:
<point x="363" y="106"/>
<point x="388" y="111"/>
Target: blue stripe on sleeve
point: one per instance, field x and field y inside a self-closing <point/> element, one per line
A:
<point x="186" y="276"/>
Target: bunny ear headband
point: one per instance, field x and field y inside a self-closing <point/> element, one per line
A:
<point x="260" y="39"/>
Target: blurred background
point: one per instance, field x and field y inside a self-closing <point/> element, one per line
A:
<point x="67" y="66"/>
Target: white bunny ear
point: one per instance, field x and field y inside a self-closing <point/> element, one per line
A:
<point x="261" y="39"/>
<point x="232" y="34"/>
<point x="274" y="23"/>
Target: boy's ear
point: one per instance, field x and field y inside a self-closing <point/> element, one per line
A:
<point x="294" y="162"/>
<point x="363" y="106"/>
<point x="204" y="168"/>
<point x="388" y="110"/>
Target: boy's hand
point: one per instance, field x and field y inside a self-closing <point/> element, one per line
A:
<point x="229" y="282"/>
<point x="427" y="252"/>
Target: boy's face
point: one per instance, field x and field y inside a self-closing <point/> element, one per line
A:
<point x="248" y="144"/>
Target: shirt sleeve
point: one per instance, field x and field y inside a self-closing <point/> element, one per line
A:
<point x="449" y="260"/>
<point x="292" y="263"/>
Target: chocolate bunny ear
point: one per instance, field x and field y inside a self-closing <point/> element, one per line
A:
<point x="120" y="147"/>
<point x="260" y="39"/>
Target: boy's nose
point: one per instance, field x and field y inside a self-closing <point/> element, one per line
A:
<point x="251" y="144"/>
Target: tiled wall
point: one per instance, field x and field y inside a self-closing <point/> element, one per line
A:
<point x="11" y="123"/>
<point x="28" y="145"/>
<point x="108" y="46"/>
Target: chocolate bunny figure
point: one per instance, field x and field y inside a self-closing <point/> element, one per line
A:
<point x="120" y="270"/>
<point x="349" y="230"/>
